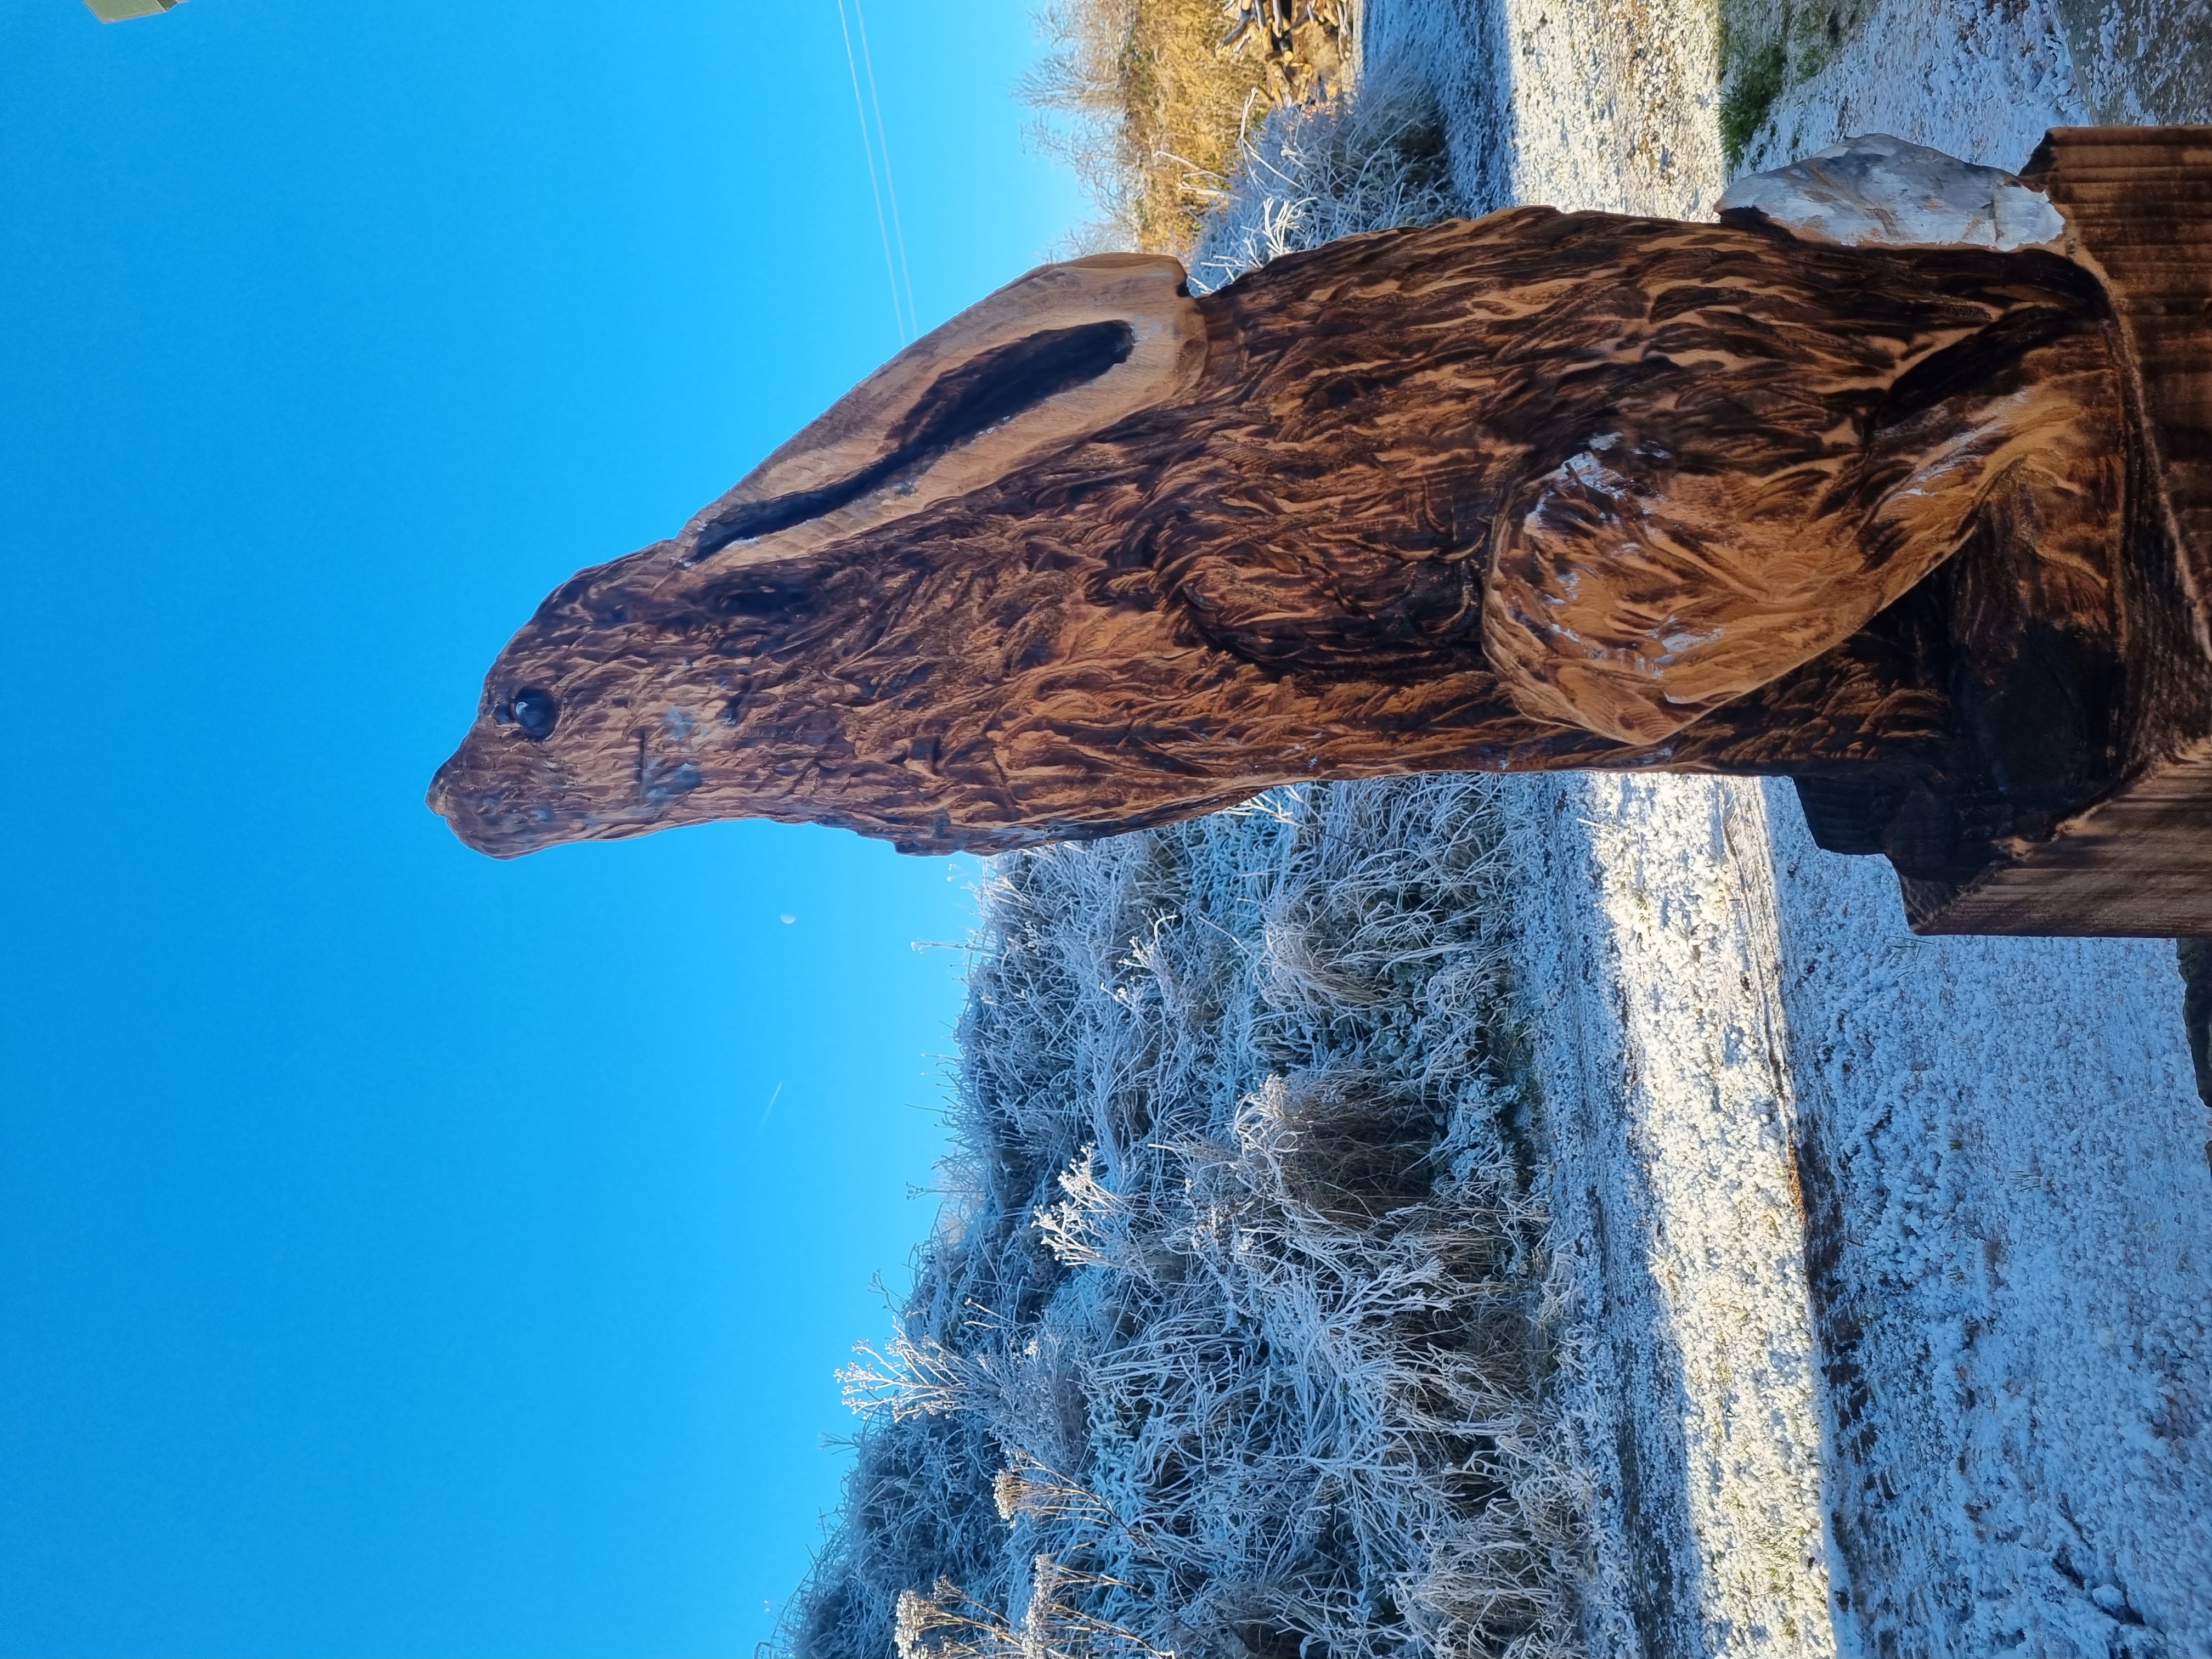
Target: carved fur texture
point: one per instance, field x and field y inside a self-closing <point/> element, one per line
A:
<point x="1540" y="489"/>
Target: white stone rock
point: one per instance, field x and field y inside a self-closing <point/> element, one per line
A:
<point x="1882" y="190"/>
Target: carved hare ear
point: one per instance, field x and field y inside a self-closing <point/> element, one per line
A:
<point x="1049" y="358"/>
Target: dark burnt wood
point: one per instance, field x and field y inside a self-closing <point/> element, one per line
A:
<point x="2135" y="856"/>
<point x="1541" y="490"/>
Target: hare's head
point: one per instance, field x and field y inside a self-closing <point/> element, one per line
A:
<point x="724" y="673"/>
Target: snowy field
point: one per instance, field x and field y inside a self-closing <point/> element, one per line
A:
<point x="1565" y="1215"/>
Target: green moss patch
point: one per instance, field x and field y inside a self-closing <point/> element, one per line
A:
<point x="1746" y="96"/>
<point x="1768" y="47"/>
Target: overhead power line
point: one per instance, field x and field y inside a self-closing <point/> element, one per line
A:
<point x="877" y="149"/>
<point x="884" y="148"/>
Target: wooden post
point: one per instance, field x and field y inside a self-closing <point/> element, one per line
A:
<point x="2138" y="202"/>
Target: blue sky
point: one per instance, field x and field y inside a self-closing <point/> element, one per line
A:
<point x="398" y="1252"/>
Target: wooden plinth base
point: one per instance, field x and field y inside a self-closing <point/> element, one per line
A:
<point x="2138" y="861"/>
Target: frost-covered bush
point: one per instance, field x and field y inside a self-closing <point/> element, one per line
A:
<point x="1236" y="1335"/>
<point x="1313" y="173"/>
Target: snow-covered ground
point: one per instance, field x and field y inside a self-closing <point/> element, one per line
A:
<point x="1646" y="951"/>
<point x="1897" y="1253"/>
<point x="1984" y="85"/>
<point x="1985" y="82"/>
<point x="2005" y="1162"/>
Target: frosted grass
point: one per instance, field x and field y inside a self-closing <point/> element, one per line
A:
<point x="1237" y="1335"/>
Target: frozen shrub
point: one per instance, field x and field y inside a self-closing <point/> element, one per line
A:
<point x="1243" y="1326"/>
<point x="1309" y="173"/>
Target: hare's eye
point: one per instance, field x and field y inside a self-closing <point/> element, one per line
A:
<point x="536" y="712"/>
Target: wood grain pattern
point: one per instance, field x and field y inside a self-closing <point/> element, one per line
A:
<point x="1539" y="490"/>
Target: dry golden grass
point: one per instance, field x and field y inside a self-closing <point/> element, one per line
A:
<point x="1147" y="98"/>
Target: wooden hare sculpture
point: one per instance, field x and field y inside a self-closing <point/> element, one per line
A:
<point x="1538" y="490"/>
